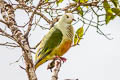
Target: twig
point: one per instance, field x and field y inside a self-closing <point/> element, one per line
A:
<point x="3" y="22"/>
<point x="36" y="45"/>
<point x="102" y="33"/>
<point x="56" y="70"/>
<point x="32" y="51"/>
<point x="31" y="19"/>
<point x="44" y="17"/>
<point x="9" y="44"/>
<point x="17" y="60"/>
<point x="88" y="25"/>
<point x="29" y="9"/>
<point x="22" y="67"/>
<point x="3" y="33"/>
<point x="80" y="4"/>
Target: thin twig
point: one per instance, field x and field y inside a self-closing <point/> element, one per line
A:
<point x="88" y="25"/>
<point x="17" y="60"/>
<point x="3" y="22"/>
<point x="36" y="45"/>
<point x="3" y="33"/>
<point x="31" y="19"/>
<point x="9" y="44"/>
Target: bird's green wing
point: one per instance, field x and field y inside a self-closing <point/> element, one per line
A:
<point x="53" y="41"/>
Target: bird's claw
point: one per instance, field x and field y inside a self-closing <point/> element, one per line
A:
<point x="60" y="58"/>
<point x="52" y="64"/>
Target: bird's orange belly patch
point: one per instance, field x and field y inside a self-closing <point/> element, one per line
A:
<point x="64" y="47"/>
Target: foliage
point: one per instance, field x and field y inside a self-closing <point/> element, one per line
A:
<point x="78" y="36"/>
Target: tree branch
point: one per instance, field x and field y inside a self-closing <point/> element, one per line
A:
<point x="80" y="4"/>
<point x="56" y="70"/>
<point x="7" y="12"/>
<point x="35" y="12"/>
<point x="3" y="33"/>
<point x="31" y="19"/>
<point x="3" y="22"/>
<point x="9" y="44"/>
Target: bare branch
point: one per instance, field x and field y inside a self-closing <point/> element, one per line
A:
<point x="31" y="18"/>
<point x="3" y="33"/>
<point x="36" y="45"/>
<point x="9" y="44"/>
<point x="29" y="9"/>
<point x="79" y="4"/>
<point x="17" y="60"/>
<point x="44" y="17"/>
<point x="3" y="22"/>
<point x="18" y="36"/>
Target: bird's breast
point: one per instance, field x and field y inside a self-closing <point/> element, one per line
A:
<point x="63" y="47"/>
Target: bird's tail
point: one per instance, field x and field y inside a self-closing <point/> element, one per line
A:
<point x="38" y="63"/>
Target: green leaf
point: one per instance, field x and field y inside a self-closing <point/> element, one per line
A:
<point x="115" y="2"/>
<point x="78" y="35"/>
<point x="76" y="0"/>
<point x="46" y="0"/>
<point x="81" y="1"/>
<point x="116" y="11"/>
<point x="59" y="1"/>
<point x="75" y="39"/>
<point x="80" y="10"/>
<point x="109" y="17"/>
<point x="106" y="5"/>
<point x="113" y="16"/>
<point x="109" y="13"/>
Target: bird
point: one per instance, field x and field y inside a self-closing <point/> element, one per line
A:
<point x="57" y="41"/>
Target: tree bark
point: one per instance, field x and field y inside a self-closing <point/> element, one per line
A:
<point x="7" y="12"/>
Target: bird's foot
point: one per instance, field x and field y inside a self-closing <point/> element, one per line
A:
<point x="51" y="65"/>
<point x="63" y="59"/>
<point x="57" y="59"/>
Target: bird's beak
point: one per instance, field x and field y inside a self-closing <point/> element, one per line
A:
<point x="73" y="20"/>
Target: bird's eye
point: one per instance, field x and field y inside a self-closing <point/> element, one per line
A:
<point x="67" y="16"/>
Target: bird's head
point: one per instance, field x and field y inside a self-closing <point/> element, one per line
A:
<point x="67" y="17"/>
